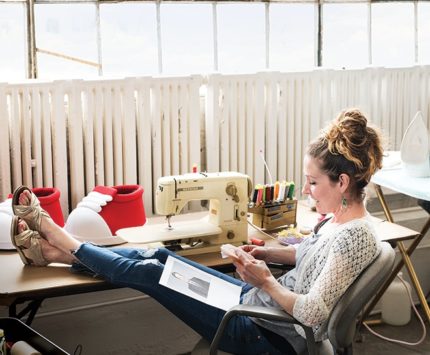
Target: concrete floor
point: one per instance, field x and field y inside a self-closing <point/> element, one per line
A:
<point x="412" y="332"/>
<point x="143" y="327"/>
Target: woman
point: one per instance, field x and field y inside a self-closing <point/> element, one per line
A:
<point x="337" y="166"/>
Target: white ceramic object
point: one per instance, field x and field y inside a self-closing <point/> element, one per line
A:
<point x="414" y="150"/>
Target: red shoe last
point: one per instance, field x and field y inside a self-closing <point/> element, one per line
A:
<point x="49" y="198"/>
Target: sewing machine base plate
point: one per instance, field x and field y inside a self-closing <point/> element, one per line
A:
<point x="159" y="232"/>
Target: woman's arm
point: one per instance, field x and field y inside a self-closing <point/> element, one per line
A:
<point x="353" y="249"/>
<point x="348" y="256"/>
<point x="280" y="255"/>
<point x="257" y="273"/>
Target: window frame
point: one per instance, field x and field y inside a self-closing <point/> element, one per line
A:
<point x="319" y="29"/>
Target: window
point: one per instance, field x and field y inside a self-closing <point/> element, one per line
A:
<point x="84" y="39"/>
<point x="423" y="33"/>
<point x="187" y="38"/>
<point x="12" y="42"/>
<point x="66" y="30"/>
<point x="292" y="36"/>
<point x="345" y="36"/>
<point x="129" y="39"/>
<point x="241" y="38"/>
<point x="393" y="34"/>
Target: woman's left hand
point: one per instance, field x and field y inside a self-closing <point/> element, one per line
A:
<point x="253" y="271"/>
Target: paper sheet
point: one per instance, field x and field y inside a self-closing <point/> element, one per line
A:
<point x="200" y="285"/>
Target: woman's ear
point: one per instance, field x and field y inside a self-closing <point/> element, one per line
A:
<point x="344" y="182"/>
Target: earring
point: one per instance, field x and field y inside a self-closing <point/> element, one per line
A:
<point x="344" y="203"/>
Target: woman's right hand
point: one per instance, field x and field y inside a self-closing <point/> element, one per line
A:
<point x="260" y="253"/>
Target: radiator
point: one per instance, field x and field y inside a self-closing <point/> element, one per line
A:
<point x="78" y="134"/>
<point x="81" y="133"/>
<point x="279" y="113"/>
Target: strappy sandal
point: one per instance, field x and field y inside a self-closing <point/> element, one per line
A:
<point x="27" y="243"/>
<point x="31" y="214"/>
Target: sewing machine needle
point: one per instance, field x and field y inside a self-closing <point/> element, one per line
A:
<point x="169" y="226"/>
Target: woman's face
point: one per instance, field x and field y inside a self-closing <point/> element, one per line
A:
<point x="327" y="194"/>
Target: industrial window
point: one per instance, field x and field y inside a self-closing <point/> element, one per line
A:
<point x="186" y="38"/>
<point x="423" y="45"/>
<point x="85" y="38"/>
<point x="241" y="37"/>
<point x="346" y="47"/>
<point x="128" y="39"/>
<point x="393" y="34"/>
<point x="12" y="41"/>
<point x="292" y="37"/>
<point x="66" y="38"/>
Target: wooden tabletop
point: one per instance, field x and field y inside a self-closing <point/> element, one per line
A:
<point x="20" y="282"/>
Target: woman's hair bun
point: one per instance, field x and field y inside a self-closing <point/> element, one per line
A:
<point x="351" y="136"/>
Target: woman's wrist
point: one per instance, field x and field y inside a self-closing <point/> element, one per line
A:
<point x="268" y="252"/>
<point x="270" y="284"/>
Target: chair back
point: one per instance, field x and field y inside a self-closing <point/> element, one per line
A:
<point x="342" y="323"/>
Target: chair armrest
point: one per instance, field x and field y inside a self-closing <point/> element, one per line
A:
<point x="285" y="267"/>
<point x="264" y="313"/>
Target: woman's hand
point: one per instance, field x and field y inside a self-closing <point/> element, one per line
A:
<point x="253" y="271"/>
<point x="260" y="253"/>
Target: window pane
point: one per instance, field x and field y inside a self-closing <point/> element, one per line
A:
<point x="424" y="33"/>
<point x="393" y="34"/>
<point x="12" y="42"/>
<point x="67" y="29"/>
<point x="129" y="39"/>
<point x="187" y="38"/>
<point x="241" y="38"/>
<point x="292" y="36"/>
<point x="345" y="35"/>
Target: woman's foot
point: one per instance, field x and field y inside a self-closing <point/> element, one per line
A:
<point x="26" y="205"/>
<point x="54" y="255"/>
<point x="49" y="253"/>
<point x="54" y="234"/>
<point x="27" y="243"/>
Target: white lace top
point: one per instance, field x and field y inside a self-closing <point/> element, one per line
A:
<point x="326" y="264"/>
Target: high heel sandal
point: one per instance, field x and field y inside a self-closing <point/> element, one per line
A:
<point x="32" y="213"/>
<point x="27" y="243"/>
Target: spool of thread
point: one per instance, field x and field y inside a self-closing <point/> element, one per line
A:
<point x="23" y="348"/>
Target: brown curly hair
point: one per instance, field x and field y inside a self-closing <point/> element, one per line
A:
<point x="351" y="146"/>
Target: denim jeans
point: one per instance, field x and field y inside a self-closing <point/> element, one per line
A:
<point x="141" y="269"/>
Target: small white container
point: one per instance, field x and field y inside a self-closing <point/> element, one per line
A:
<point x="395" y="303"/>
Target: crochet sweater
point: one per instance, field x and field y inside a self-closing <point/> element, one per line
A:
<point x="326" y="264"/>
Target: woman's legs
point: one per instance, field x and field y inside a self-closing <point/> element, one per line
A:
<point x="142" y="269"/>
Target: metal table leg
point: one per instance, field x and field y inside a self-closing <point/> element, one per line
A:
<point x="404" y="261"/>
<point x="31" y="309"/>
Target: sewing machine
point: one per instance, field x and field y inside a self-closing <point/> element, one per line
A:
<point x="226" y="220"/>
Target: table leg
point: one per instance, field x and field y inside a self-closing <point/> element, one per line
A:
<point x="31" y="309"/>
<point x="404" y="261"/>
<point x="384" y="205"/>
<point x="407" y="260"/>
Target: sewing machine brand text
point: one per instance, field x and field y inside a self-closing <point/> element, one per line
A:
<point x="194" y="188"/>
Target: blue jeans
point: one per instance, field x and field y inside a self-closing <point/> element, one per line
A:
<point x="141" y="269"/>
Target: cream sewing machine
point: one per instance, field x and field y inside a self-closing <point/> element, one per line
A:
<point x="225" y="222"/>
